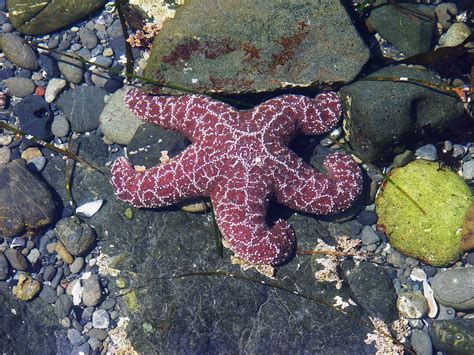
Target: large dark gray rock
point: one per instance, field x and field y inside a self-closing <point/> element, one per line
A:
<point x="454" y="336"/>
<point x="34" y="17"/>
<point x="252" y="46"/>
<point x="372" y="289"/>
<point x="26" y="203"/>
<point x="210" y="313"/>
<point x="400" y="25"/>
<point x="382" y="116"/>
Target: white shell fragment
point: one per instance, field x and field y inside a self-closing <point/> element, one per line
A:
<point x="89" y="209"/>
<point x="418" y="275"/>
<point x="77" y="292"/>
<point x="428" y="293"/>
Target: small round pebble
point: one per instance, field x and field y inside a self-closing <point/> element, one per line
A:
<point x="100" y="334"/>
<point x="367" y="218"/>
<point x="412" y="304"/>
<point x="75" y="337"/>
<point x="77" y="265"/>
<point x="369" y="236"/>
<point x="49" y="273"/>
<point x="88" y="38"/>
<point x="37" y="164"/>
<point x="55" y="86"/>
<point x="95" y="344"/>
<point x="421" y="342"/>
<point x="48" y="294"/>
<point x="20" y="87"/>
<point x="427" y="152"/>
<point x="109" y="303"/>
<point x="66" y="322"/>
<point x="468" y="169"/>
<point x="92" y="293"/>
<point x="5" y="139"/>
<point x="60" y="126"/>
<point x="7" y="27"/>
<point x="100" y="319"/>
<point x="30" y="153"/>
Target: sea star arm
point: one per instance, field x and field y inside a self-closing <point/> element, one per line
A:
<point x="192" y="115"/>
<point x="162" y="185"/>
<point x="307" y="190"/>
<point x="240" y="208"/>
<point x="283" y="116"/>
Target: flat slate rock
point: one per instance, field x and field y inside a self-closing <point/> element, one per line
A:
<point x="83" y="107"/>
<point x="212" y="314"/>
<point x="33" y="17"/>
<point x="26" y="204"/>
<point x="257" y="46"/>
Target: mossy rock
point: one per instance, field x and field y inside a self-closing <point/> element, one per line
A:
<point x="438" y="236"/>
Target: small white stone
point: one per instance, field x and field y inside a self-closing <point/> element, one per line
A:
<point x="54" y="87"/>
<point x="5" y="139"/>
<point x="100" y="319"/>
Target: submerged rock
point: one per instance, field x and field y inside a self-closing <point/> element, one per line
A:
<point x="77" y="237"/>
<point x="26" y="204"/>
<point x="455" y="288"/>
<point x="208" y="313"/>
<point x="257" y="46"/>
<point x="32" y="17"/>
<point x="454" y="336"/>
<point x="381" y="116"/>
<point x="398" y="24"/>
<point x="27" y="328"/>
<point x="436" y="236"/>
<point x="380" y="301"/>
<point x="117" y="122"/>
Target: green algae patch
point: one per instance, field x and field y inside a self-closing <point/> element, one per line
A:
<point x="132" y="301"/>
<point x="435" y="237"/>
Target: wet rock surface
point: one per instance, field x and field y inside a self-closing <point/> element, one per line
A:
<point x="34" y="320"/>
<point x="25" y="202"/>
<point x="397" y="24"/>
<point x="83" y="106"/>
<point x="230" y="304"/>
<point x="372" y="289"/>
<point x="33" y="18"/>
<point x="455" y="288"/>
<point x="381" y="117"/>
<point x="453" y="336"/>
<point x="269" y="46"/>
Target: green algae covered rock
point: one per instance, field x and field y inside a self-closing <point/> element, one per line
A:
<point x="435" y="237"/>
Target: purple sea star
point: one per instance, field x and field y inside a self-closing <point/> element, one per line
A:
<point x="240" y="160"/>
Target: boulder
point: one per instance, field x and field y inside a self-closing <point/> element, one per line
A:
<point x="256" y="46"/>
<point x="32" y="17"/>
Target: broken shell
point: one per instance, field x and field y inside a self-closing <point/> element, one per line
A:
<point x="428" y="293"/>
<point x="89" y="209"/>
